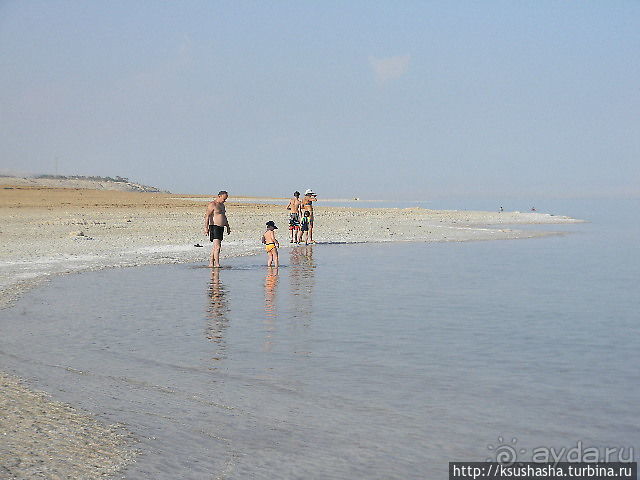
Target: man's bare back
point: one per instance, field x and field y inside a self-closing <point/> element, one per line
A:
<point x="295" y="205"/>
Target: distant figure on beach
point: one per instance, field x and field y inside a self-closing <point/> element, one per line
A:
<point x="295" y="205"/>
<point x="215" y="221"/>
<point x="307" y="206"/>
<point x="304" y="227"/>
<point x="533" y="209"/>
<point x="501" y="209"/>
<point x="271" y="244"/>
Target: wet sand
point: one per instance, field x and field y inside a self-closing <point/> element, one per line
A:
<point x="49" y="231"/>
<point x="41" y="438"/>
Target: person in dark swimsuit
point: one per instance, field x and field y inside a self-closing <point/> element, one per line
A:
<point x="215" y="221"/>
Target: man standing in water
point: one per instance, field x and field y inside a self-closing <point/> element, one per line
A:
<point x="294" y="217"/>
<point x="215" y="219"/>
<point x="307" y="205"/>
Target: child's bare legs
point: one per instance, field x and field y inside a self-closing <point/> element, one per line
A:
<point x="272" y="258"/>
<point x="311" y="230"/>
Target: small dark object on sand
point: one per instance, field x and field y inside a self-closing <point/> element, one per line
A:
<point x="197" y="245"/>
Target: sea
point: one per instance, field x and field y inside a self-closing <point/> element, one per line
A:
<point x="373" y="361"/>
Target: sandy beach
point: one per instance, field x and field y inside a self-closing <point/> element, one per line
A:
<point x="48" y="231"/>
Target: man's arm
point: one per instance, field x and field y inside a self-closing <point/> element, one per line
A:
<point x="207" y="218"/>
<point x="226" y="223"/>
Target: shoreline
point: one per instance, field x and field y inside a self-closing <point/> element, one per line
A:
<point x="44" y="438"/>
<point x="49" y="231"/>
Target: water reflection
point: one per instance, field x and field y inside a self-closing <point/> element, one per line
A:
<point x="270" y="307"/>
<point x="302" y="282"/>
<point x="293" y="313"/>
<point x="217" y="311"/>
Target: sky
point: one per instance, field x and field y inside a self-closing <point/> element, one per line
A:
<point x="379" y="99"/>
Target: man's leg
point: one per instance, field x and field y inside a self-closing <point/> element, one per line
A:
<point x="215" y="252"/>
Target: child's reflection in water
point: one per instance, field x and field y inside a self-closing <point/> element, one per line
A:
<point x="270" y="307"/>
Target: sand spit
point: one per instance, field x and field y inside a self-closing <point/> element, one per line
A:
<point x="48" y="231"/>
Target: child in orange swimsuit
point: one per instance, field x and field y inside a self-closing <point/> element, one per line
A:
<point x="271" y="245"/>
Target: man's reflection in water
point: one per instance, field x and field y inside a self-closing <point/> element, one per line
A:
<point x="217" y="315"/>
<point x="270" y="307"/>
<point x="302" y="282"/>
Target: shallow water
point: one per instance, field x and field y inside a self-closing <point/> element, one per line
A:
<point x="354" y="361"/>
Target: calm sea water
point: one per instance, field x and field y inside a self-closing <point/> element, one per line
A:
<point x="381" y="361"/>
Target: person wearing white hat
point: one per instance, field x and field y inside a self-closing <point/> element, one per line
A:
<point x="307" y="205"/>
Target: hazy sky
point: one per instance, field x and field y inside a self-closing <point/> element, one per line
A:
<point x="351" y="98"/>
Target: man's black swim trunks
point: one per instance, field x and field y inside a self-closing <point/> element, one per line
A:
<point x="216" y="232"/>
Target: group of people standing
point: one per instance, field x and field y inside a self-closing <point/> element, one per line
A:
<point x="300" y="225"/>
<point x="301" y="217"/>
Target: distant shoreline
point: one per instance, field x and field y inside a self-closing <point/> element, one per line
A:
<point x="77" y="181"/>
